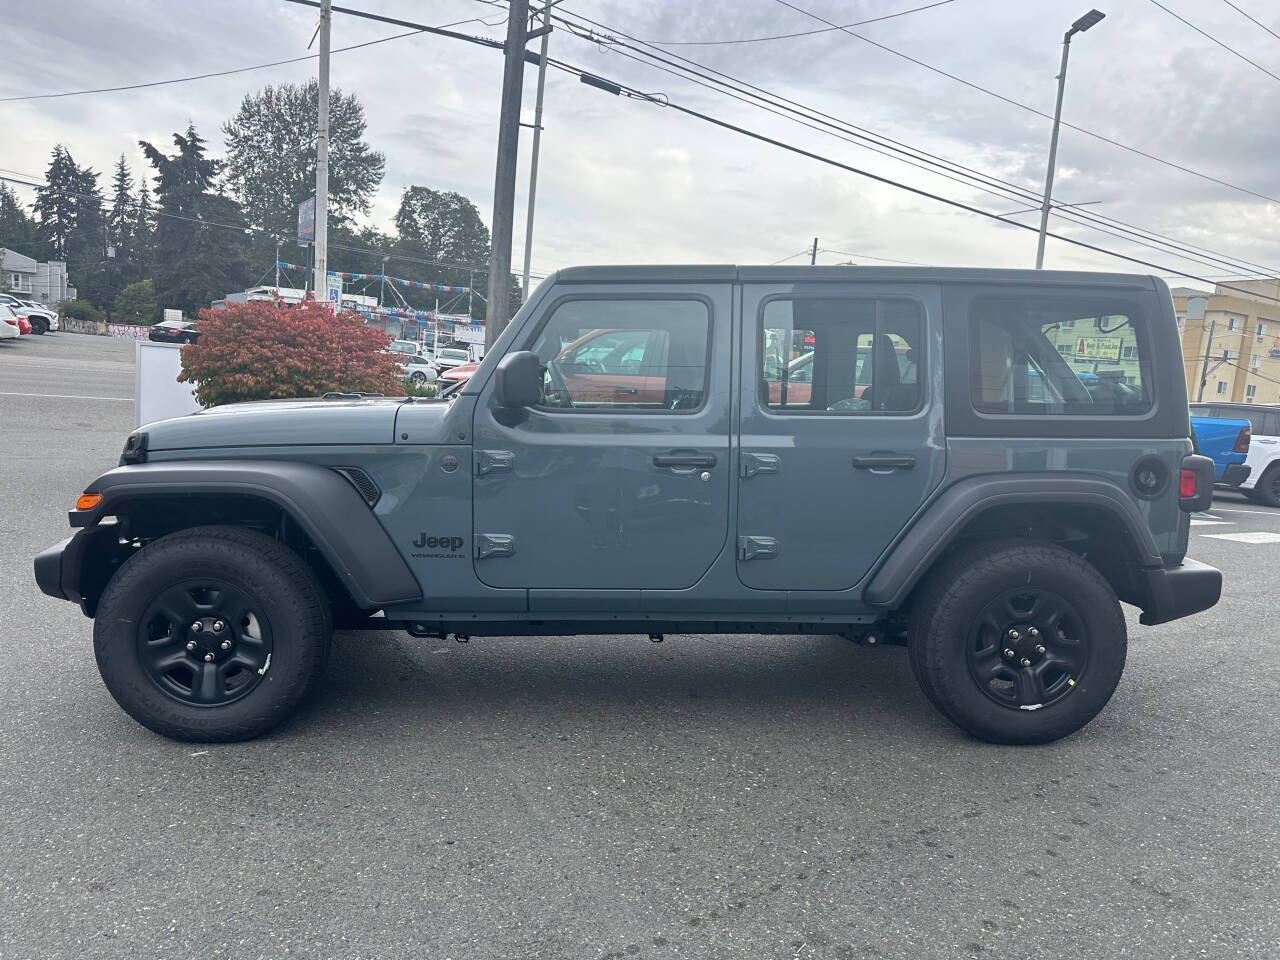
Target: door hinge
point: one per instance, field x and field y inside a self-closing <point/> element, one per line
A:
<point x="494" y="545"/>
<point x="753" y="464"/>
<point x="491" y="461"/>
<point x="753" y="548"/>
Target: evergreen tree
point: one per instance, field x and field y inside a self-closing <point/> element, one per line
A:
<point x="122" y="218"/>
<point x="143" y="227"/>
<point x="56" y="205"/>
<point x="200" y="240"/>
<point x="86" y="244"/>
<point x="17" y="229"/>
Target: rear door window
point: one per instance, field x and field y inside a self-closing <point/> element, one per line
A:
<point x="1058" y="357"/>
<point x="841" y="355"/>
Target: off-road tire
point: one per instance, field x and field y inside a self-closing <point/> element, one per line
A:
<point x="278" y="579"/>
<point x="946" y="612"/>
<point x="1265" y="491"/>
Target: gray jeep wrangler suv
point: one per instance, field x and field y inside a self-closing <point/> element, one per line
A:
<point x="983" y="463"/>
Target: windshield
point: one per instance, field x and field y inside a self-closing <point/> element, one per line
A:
<point x="454" y="355"/>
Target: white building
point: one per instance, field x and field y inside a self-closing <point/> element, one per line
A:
<point x="45" y="282"/>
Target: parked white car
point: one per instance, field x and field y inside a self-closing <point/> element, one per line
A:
<point x="419" y="368"/>
<point x="1263" y="483"/>
<point x="42" y="318"/>
<point x="448" y="357"/>
<point x="8" y="331"/>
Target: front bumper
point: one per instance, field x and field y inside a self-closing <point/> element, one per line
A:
<point x="1180" y="591"/>
<point x="58" y="564"/>
<point x="1235" y="474"/>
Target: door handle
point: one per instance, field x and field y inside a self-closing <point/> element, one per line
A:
<point x="881" y="460"/>
<point x="628" y="391"/>
<point x="685" y="458"/>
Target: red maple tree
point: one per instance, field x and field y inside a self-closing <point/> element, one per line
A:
<point x="269" y="350"/>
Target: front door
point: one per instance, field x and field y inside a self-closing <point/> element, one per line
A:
<point x="841" y="439"/>
<point x="619" y="479"/>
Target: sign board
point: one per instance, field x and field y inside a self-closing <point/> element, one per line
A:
<point x="1098" y="348"/>
<point x="171" y="314"/>
<point x="333" y="289"/>
<point x="157" y="392"/>
<point x="307" y="220"/>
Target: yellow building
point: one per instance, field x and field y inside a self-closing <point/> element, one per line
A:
<point x="1244" y="355"/>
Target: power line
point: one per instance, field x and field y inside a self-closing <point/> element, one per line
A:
<point x="984" y="181"/>
<point x="619" y="89"/>
<point x="802" y="33"/>
<point x="1030" y="109"/>
<point x="227" y="73"/>
<point x="1252" y="18"/>
<point x="1209" y="36"/>
<point x="867" y="256"/>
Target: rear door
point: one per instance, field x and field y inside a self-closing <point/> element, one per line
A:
<point x="841" y="433"/>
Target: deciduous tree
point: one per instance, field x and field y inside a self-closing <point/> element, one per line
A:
<point x="271" y="156"/>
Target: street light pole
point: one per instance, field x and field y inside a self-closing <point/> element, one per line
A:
<point x="1080" y="26"/>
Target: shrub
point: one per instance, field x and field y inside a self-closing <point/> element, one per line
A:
<point x="271" y="351"/>
<point x="81" y="310"/>
<point x="411" y="389"/>
<point x="136" y="303"/>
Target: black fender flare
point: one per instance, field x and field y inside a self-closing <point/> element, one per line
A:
<point x="942" y="521"/>
<point x="321" y="501"/>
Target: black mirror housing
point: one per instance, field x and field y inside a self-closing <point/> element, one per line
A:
<point x="518" y="380"/>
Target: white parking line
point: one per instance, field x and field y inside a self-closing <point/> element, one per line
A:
<point x="1256" y="536"/>
<point x="64" y="396"/>
<point x="1204" y="522"/>
<point x="1265" y="513"/>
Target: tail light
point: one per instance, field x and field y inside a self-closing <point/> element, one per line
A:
<point x="1187" y="483"/>
<point x="1242" y="441"/>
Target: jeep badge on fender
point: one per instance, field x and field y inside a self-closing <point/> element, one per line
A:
<point x="982" y="465"/>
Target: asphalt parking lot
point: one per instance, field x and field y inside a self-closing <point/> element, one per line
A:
<point x="774" y="797"/>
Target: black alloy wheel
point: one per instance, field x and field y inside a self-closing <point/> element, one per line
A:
<point x="205" y="642"/>
<point x="1028" y="648"/>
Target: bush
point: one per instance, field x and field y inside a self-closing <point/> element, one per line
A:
<point x="411" y="389"/>
<point x="270" y="351"/>
<point x="136" y="303"/>
<point x="81" y="310"/>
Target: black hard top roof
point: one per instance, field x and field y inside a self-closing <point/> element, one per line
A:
<point x="728" y="273"/>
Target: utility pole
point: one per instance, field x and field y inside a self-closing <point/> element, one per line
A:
<point x="277" y="265"/>
<point x="1084" y="23"/>
<point x="813" y="256"/>
<point x="382" y="287"/>
<point x="504" y="180"/>
<point x="545" y="31"/>
<point x="1208" y="350"/>
<point x="322" y="156"/>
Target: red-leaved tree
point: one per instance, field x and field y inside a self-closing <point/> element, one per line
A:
<point x="273" y="351"/>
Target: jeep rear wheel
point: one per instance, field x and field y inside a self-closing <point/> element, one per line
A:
<point x="1017" y="641"/>
<point x="212" y="634"/>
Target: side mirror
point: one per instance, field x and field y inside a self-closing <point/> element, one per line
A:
<point x="518" y="380"/>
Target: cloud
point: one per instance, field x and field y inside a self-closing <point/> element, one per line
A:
<point x="624" y="180"/>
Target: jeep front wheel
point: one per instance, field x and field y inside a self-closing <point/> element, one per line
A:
<point x="212" y="634"/>
<point x="1017" y="641"/>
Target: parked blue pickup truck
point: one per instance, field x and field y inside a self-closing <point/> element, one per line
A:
<point x="1226" y="441"/>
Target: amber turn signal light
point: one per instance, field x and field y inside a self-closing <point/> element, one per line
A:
<point x="88" y="501"/>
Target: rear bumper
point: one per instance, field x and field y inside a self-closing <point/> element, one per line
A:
<point x="1180" y="591"/>
<point x="1235" y="474"/>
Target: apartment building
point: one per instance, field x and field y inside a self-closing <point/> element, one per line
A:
<point x="1240" y="334"/>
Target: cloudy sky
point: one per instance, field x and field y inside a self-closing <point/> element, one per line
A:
<point x="627" y="181"/>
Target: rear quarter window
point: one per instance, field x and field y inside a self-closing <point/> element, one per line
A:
<point x="1058" y="357"/>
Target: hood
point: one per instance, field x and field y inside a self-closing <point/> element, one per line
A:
<point x="347" y="420"/>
